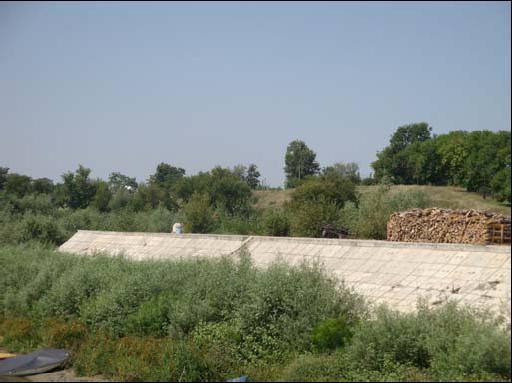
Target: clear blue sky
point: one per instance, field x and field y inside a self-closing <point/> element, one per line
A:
<point x="122" y="87"/>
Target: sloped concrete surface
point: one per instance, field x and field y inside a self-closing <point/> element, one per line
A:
<point x="391" y="272"/>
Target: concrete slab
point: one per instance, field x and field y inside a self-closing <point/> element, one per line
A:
<point x="393" y="272"/>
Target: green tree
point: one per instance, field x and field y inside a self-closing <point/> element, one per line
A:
<point x="186" y="186"/>
<point x="78" y="188"/>
<point x="102" y="197"/>
<point x="166" y="176"/>
<point x="453" y="150"/>
<point x="395" y="161"/>
<point x="18" y="184"/>
<point x="42" y="186"/>
<point x="349" y="170"/>
<point x="120" y="199"/>
<point x="425" y="163"/>
<point x="409" y="134"/>
<point x="118" y="181"/>
<point x="248" y="174"/>
<point x="225" y="190"/>
<point x="318" y="202"/>
<point x="331" y="188"/>
<point x="276" y="222"/>
<point x="240" y="171"/>
<point x="253" y="176"/>
<point x="3" y="176"/>
<point x="148" y="197"/>
<point x="500" y="185"/>
<point x="199" y="214"/>
<point x="299" y="163"/>
<point x="488" y="153"/>
<point x="228" y="193"/>
<point x="308" y="220"/>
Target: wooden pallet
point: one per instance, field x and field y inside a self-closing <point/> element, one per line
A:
<point x="499" y="234"/>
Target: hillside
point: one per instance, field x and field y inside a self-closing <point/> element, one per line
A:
<point x="440" y="196"/>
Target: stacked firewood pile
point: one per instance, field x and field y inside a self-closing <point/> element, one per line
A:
<point x="449" y="226"/>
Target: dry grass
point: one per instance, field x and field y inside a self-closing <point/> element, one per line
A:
<point x="271" y="198"/>
<point x="441" y="196"/>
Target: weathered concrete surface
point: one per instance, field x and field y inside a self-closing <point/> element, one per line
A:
<point x="152" y="245"/>
<point x="392" y="272"/>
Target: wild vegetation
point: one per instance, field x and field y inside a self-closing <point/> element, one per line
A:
<point x="479" y="161"/>
<point x="198" y="320"/>
<point x="215" y="319"/>
<point x="223" y="200"/>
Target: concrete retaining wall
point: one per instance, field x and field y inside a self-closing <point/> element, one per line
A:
<point x="392" y="272"/>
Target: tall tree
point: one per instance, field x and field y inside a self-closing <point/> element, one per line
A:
<point x="299" y="163"/>
<point x="18" y="184"/>
<point x="166" y="176"/>
<point x="43" y="186"/>
<point x="118" y="181"/>
<point x="78" y="188"/>
<point x="102" y="196"/>
<point x="395" y="161"/>
<point x="253" y="176"/>
<point x="348" y="170"/>
<point x="488" y="153"/>
<point x="3" y="176"/>
<point x="454" y="151"/>
<point x="409" y="134"/>
<point x="240" y="171"/>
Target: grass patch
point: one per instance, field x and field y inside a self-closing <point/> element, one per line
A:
<point x="440" y="196"/>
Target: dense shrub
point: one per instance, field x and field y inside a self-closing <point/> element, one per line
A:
<point x="235" y="224"/>
<point x="450" y="341"/>
<point x="41" y="228"/>
<point x="332" y="333"/>
<point x="501" y="185"/>
<point x="328" y="188"/>
<point x="370" y="219"/>
<point x="277" y="307"/>
<point x="32" y="203"/>
<point x="213" y="319"/>
<point x="307" y="219"/>
<point x="276" y="222"/>
<point x="199" y="214"/>
<point x="318" y="202"/>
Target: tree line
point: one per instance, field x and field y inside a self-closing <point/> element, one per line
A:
<point x="168" y="186"/>
<point x="479" y="161"/>
<point x="221" y="200"/>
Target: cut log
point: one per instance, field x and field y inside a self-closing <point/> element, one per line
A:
<point x="449" y="226"/>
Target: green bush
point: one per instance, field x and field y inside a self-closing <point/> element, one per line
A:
<point x="241" y="225"/>
<point x="211" y="319"/>
<point x="451" y="341"/>
<point x="152" y="317"/>
<point x="500" y="185"/>
<point x="276" y="223"/>
<point x="199" y="214"/>
<point x="331" y="189"/>
<point x="41" y="228"/>
<point x="308" y="219"/>
<point x="32" y="203"/>
<point x="370" y="219"/>
<point x="332" y="333"/>
<point x="120" y="200"/>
